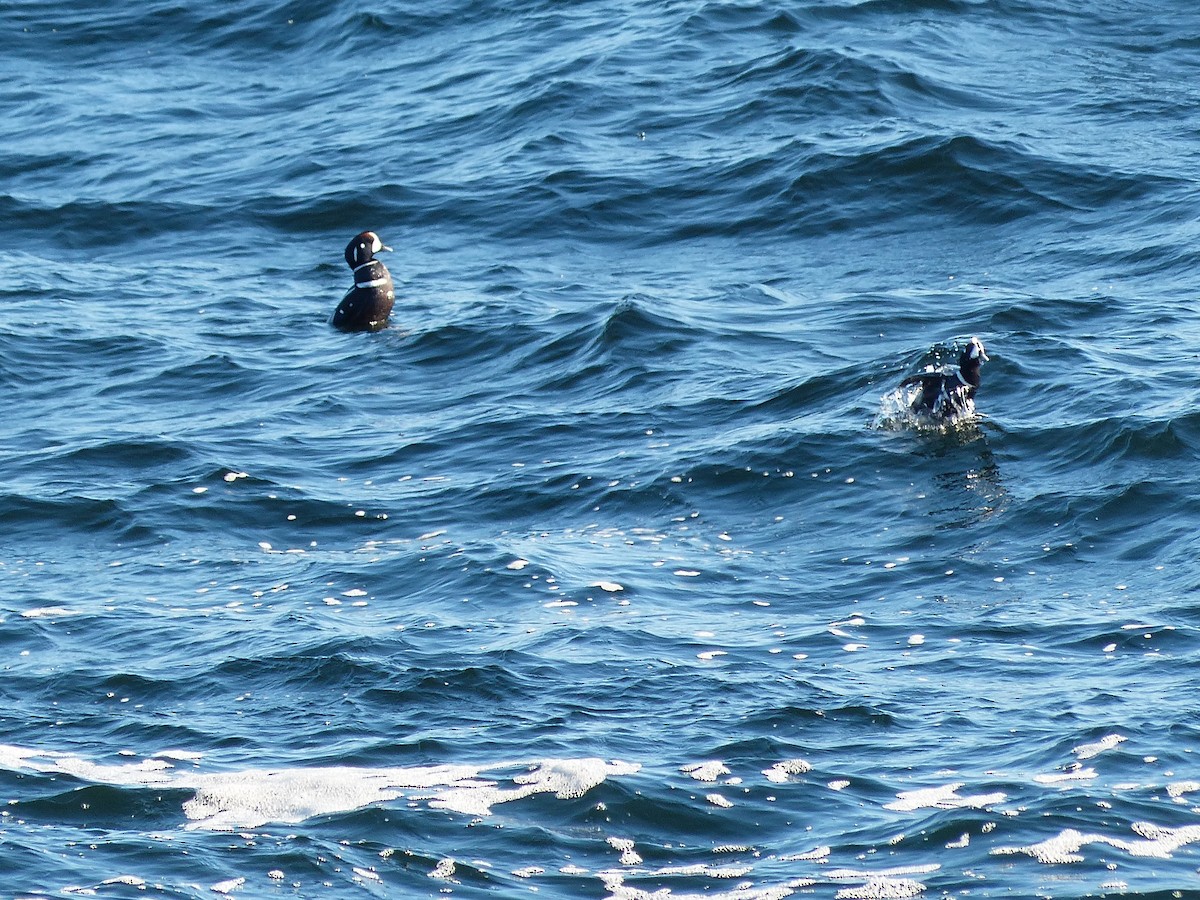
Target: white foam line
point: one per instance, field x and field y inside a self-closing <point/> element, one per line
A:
<point x="1077" y="774"/>
<point x="1064" y="847"/>
<point x="614" y="883"/>
<point x="253" y="797"/>
<point x="1087" y="751"/>
<point x="944" y="797"/>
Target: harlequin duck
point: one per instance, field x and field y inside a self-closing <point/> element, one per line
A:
<point x="948" y="392"/>
<point x="368" y="304"/>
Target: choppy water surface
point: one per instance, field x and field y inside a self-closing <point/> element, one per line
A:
<point x="616" y="567"/>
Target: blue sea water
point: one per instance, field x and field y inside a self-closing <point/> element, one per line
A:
<point x="615" y="567"/>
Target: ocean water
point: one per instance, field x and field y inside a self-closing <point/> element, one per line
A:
<point x="615" y="568"/>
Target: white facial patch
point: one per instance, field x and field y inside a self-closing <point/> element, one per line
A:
<point x="376" y="243"/>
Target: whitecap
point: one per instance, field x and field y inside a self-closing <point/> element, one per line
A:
<point x="1087" y="751"/>
<point x="1177" y="789"/>
<point x="1157" y="842"/>
<point x="882" y="888"/>
<point x="47" y="612"/>
<point x="251" y="798"/>
<point x="944" y="797"/>
<point x="707" y="771"/>
<point x="1075" y="774"/>
<point x="444" y="870"/>
<point x="629" y="856"/>
<point x="781" y="771"/>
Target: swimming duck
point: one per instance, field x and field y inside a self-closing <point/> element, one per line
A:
<point x="368" y="304"/>
<point x="948" y="391"/>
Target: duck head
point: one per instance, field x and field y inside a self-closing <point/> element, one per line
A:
<point x="362" y="248"/>
<point x="973" y="356"/>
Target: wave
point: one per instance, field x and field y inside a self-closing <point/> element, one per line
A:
<point x="591" y="576"/>
<point x="251" y="798"/>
